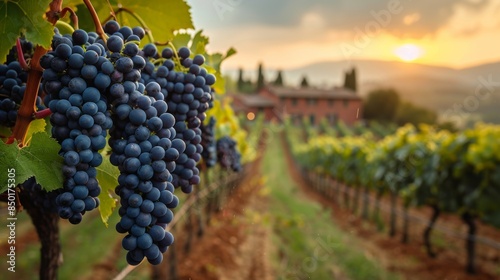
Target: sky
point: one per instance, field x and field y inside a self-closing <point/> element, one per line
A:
<point x="285" y="34"/>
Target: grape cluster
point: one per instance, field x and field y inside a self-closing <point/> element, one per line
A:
<point x="227" y="155"/>
<point x="12" y="87"/>
<point x="144" y="153"/>
<point x="208" y="143"/>
<point x="39" y="197"/>
<point x="77" y="74"/>
<point x="27" y="48"/>
<point x="13" y="84"/>
<point x="187" y="93"/>
<point x="151" y="104"/>
<point x="144" y="149"/>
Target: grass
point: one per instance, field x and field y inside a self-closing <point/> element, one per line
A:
<point x="83" y="245"/>
<point x="308" y="244"/>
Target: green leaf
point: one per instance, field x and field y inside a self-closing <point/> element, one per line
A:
<point x="181" y="40"/>
<point x="220" y="82"/>
<point x="5" y="132"/>
<point x="199" y="43"/>
<point x="35" y="127"/>
<point x="161" y="17"/>
<point x="26" y="17"/>
<point x="107" y="175"/>
<point x="39" y="159"/>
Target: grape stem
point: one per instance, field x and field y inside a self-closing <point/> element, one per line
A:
<point x="55" y="8"/>
<point x="42" y="114"/>
<point x="140" y="20"/>
<point x="20" y="55"/>
<point x="95" y="18"/>
<point x="27" y="109"/>
<point x="73" y="16"/>
<point x="157" y="43"/>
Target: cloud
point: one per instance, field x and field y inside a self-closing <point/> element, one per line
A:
<point x="422" y="17"/>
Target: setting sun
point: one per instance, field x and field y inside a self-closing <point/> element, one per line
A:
<point x="409" y="52"/>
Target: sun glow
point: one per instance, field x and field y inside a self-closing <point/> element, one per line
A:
<point x="408" y="52"/>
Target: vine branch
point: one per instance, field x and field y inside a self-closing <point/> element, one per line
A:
<point x="140" y="20"/>
<point x="20" y="55"/>
<point x="28" y="104"/>
<point x="42" y="114"/>
<point x="73" y="16"/>
<point x="96" y="21"/>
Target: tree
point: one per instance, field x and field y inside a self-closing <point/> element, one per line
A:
<point x="304" y="83"/>
<point x="381" y="105"/>
<point x="350" y="80"/>
<point x="241" y="83"/>
<point x="410" y="113"/>
<point x="279" y="79"/>
<point x="260" y="78"/>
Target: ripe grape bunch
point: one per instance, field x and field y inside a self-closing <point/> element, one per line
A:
<point x="150" y="107"/>
<point x="152" y="115"/>
<point x="143" y="148"/>
<point x="186" y="87"/>
<point x="75" y="79"/>
<point x="208" y="143"/>
<point x="227" y="155"/>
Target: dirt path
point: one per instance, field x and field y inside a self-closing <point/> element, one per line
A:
<point x="409" y="260"/>
<point x="237" y="244"/>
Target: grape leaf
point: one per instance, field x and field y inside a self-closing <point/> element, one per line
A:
<point x="39" y="159"/>
<point x="161" y="17"/>
<point x="24" y="16"/>
<point x="107" y="175"/>
<point x="199" y="43"/>
<point x="35" y="126"/>
<point x="220" y="82"/>
<point x="181" y="40"/>
<point x="5" y="131"/>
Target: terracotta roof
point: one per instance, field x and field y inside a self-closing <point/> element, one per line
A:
<point x="334" y="93"/>
<point x="254" y="100"/>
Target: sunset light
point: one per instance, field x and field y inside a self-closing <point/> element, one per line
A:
<point x="409" y="52"/>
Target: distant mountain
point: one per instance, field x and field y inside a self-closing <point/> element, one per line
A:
<point x="368" y="71"/>
<point x="482" y="70"/>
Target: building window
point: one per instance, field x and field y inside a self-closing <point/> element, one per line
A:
<point x="311" y="119"/>
<point x="332" y="118"/>
<point x="346" y="103"/>
<point x="294" y="101"/>
<point x="311" y="102"/>
<point x="331" y="102"/>
<point x="282" y="99"/>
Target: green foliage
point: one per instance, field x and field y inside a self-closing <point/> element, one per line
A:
<point x="260" y="78"/>
<point x="350" y="80"/>
<point x="240" y="82"/>
<point x="279" y="79"/>
<point x="304" y="83"/>
<point x="242" y="85"/>
<point x="409" y="113"/>
<point x="107" y="174"/>
<point x="381" y="105"/>
<point x="458" y="172"/>
<point x="163" y="18"/>
<point x="24" y="17"/>
<point x="39" y="159"/>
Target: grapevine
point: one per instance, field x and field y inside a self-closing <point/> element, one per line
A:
<point x="115" y="115"/>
